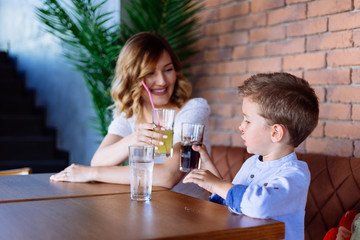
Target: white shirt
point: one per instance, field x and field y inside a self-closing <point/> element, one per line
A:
<point x="195" y="110"/>
<point x="272" y="189"/>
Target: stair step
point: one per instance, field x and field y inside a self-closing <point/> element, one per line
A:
<point x="43" y="166"/>
<point x="25" y="141"/>
<point x="4" y="56"/>
<point x="23" y="125"/>
<point x="17" y="104"/>
<point x="11" y="87"/>
<point x="7" y="70"/>
<point x="29" y="147"/>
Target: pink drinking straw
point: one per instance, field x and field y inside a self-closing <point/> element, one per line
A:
<point x="152" y="103"/>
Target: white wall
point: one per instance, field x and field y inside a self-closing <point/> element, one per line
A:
<point x="60" y="90"/>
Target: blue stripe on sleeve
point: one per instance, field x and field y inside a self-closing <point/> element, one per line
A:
<point x="234" y="198"/>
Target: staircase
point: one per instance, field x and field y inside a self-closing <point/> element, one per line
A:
<point x="25" y="141"/>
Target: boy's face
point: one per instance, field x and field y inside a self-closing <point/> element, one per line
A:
<point x="255" y="131"/>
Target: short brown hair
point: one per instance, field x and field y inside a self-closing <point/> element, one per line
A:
<point x="137" y="59"/>
<point x="284" y="99"/>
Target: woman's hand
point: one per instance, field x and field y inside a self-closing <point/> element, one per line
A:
<point x="74" y="173"/>
<point x="145" y="134"/>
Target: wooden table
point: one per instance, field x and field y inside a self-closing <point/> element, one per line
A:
<point x="52" y="210"/>
<point x="38" y="186"/>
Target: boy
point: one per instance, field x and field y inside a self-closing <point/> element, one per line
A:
<point x="280" y="111"/>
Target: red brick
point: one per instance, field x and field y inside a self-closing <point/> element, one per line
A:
<point x="347" y="57"/>
<point x="223" y="96"/>
<point x="233" y="39"/>
<point x="320" y="93"/>
<point x="220" y="54"/>
<point x="344" y="21"/>
<point x="344" y="94"/>
<point x="355" y="112"/>
<point x="237" y="80"/>
<point x="237" y="140"/>
<point x="288" y="2"/>
<point x="261" y="5"/>
<point x="329" y="41"/>
<point x="220" y="138"/>
<point x="327" y="7"/>
<point x="238" y="110"/>
<point x="227" y="124"/>
<point x="196" y="70"/>
<point x="355" y="76"/>
<point x="207" y="42"/>
<point x="286" y="47"/>
<point x="224" y="2"/>
<point x="249" y="22"/>
<point x="319" y="130"/>
<point x="234" y="10"/>
<point x="289" y="14"/>
<point x="234" y="67"/>
<point x="219" y="27"/>
<point x="222" y="110"/>
<point x="267" y="33"/>
<point x="248" y="52"/>
<point x="304" y="61"/>
<point x="357" y="149"/>
<point x="357" y="4"/>
<point x="207" y="15"/>
<point x="356" y="38"/>
<point x="197" y="58"/>
<point x="212" y="3"/>
<point x="342" y="130"/>
<point x="297" y="73"/>
<point x="300" y="148"/>
<point x="334" y="76"/>
<point x="307" y="27"/>
<point x="212" y="82"/>
<point x="335" y="111"/>
<point x="329" y="146"/>
<point x="207" y="69"/>
<point x="264" y="65"/>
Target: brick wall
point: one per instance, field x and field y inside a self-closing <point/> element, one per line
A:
<point x="318" y="40"/>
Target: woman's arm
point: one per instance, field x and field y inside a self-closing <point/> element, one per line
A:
<point x="112" y="151"/>
<point x="165" y="175"/>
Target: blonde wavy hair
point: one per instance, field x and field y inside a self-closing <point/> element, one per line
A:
<point x="137" y="59"/>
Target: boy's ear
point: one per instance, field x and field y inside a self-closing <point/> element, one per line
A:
<point x="277" y="133"/>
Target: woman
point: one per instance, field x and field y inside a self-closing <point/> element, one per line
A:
<point x="145" y="57"/>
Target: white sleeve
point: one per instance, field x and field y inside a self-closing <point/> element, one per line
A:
<point x="120" y="126"/>
<point x="196" y="110"/>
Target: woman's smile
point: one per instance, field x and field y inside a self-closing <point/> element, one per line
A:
<point x="159" y="92"/>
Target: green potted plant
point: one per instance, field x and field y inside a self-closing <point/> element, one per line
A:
<point x="91" y="43"/>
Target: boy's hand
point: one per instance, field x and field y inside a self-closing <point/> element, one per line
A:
<point x="206" y="162"/>
<point x="203" y="153"/>
<point x="203" y="178"/>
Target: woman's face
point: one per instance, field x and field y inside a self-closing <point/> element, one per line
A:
<point x="161" y="82"/>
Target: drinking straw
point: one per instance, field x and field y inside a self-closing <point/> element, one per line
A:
<point x="152" y="103"/>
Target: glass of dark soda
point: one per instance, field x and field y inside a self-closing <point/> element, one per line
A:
<point x="191" y="134"/>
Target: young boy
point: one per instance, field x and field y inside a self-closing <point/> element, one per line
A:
<point x="280" y="111"/>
